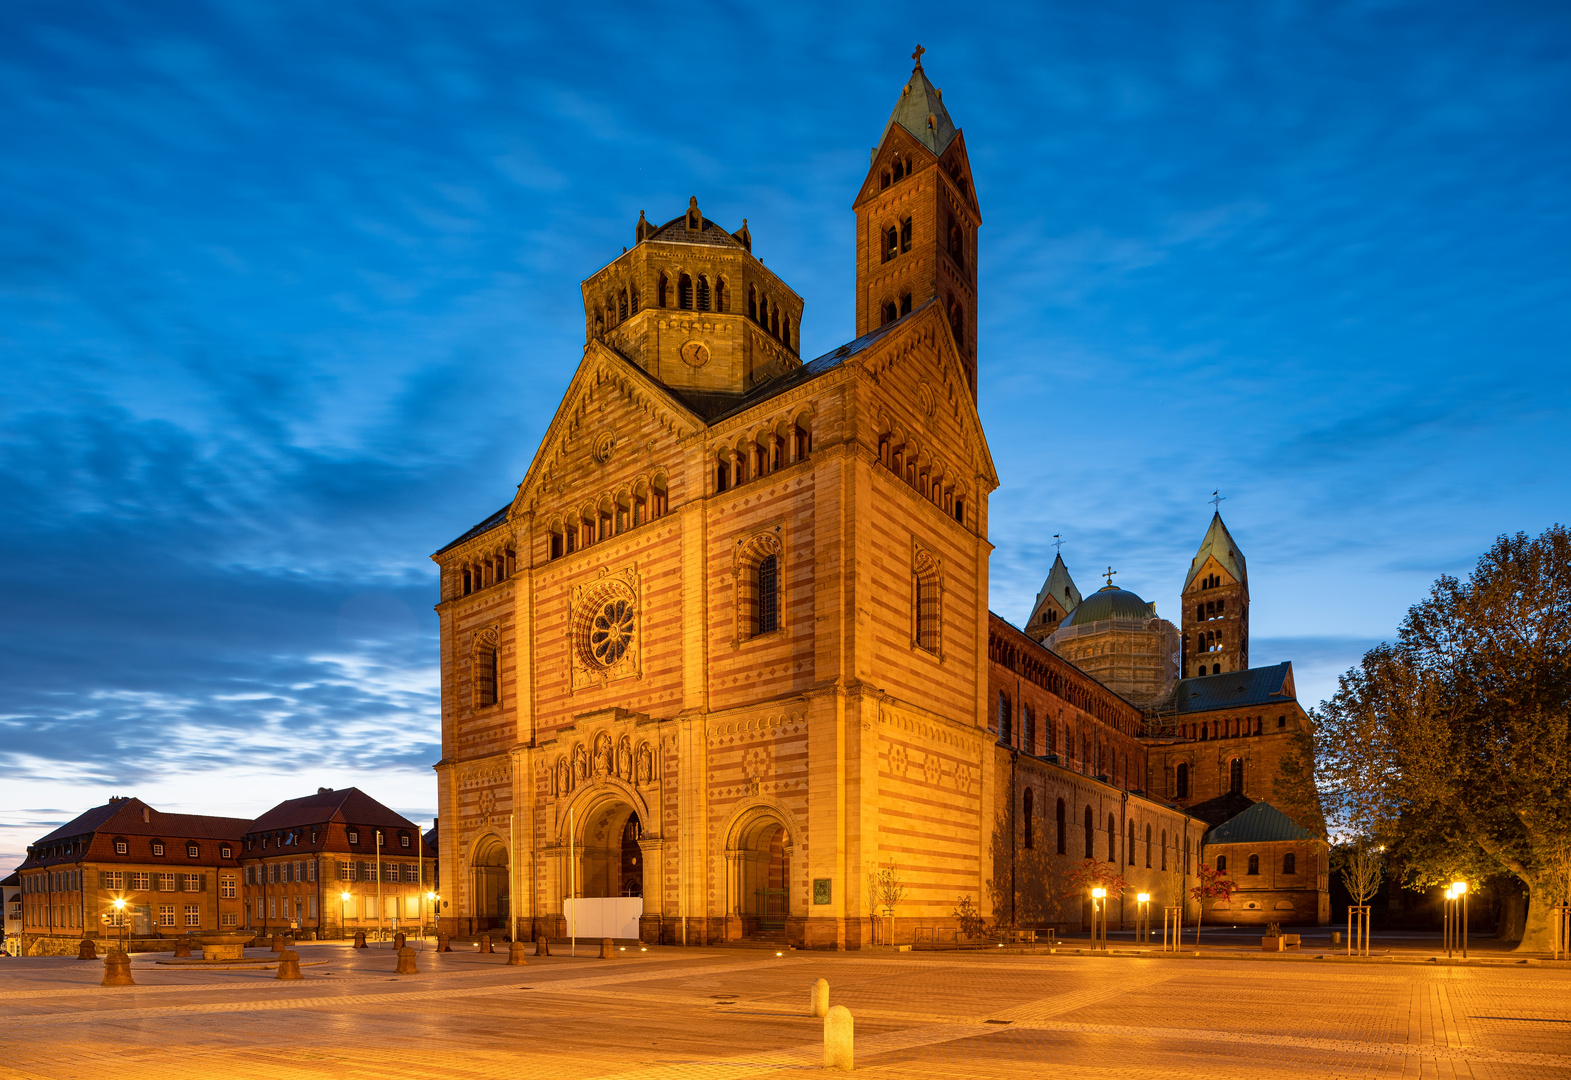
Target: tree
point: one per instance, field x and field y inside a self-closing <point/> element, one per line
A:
<point x="1214" y="885"/>
<point x="1455" y="742"/>
<point x="1361" y="869"/>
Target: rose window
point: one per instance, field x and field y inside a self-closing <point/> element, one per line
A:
<point x="611" y="632"/>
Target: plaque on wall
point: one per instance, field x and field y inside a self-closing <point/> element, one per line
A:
<point x="823" y="890"/>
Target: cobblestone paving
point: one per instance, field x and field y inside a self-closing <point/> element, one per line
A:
<point x="709" y="1013"/>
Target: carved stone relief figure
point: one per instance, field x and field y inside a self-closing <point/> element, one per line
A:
<point x="624" y="759"/>
<point x="580" y="764"/>
<point x="645" y="764"/>
<point x="602" y="755"/>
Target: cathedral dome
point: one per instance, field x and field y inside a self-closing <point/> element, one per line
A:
<point x="1110" y="602"/>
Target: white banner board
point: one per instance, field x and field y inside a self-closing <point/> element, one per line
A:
<point x="603" y="916"/>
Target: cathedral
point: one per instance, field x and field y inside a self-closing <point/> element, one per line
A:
<point x="724" y="667"/>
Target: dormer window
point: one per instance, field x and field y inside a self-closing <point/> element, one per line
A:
<point x="192" y="851"/>
<point x="354" y="836"/>
<point x="403" y="839"/>
<point x="120" y="846"/>
<point x="226" y="852"/>
<point x="158" y="847"/>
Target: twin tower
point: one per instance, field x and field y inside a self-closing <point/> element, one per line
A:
<point x="692" y="305"/>
<point x="1117" y="637"/>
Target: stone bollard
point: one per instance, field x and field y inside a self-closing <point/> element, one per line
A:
<point x="406" y="962"/>
<point x="443" y="944"/>
<point x="838" y="1039"/>
<point x="399" y="940"/>
<point x="182" y="948"/>
<point x="117" y="969"/>
<point x="359" y="939"/>
<point x="543" y="947"/>
<point x="607" y="949"/>
<point x="277" y="944"/>
<point x="485" y="943"/>
<point x="85" y="951"/>
<point x="818" y="1005"/>
<point x="289" y="965"/>
<point x="515" y="955"/>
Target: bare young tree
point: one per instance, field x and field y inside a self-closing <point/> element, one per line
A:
<point x="1361" y="866"/>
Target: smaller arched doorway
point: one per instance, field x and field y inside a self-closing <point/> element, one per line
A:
<point x="761" y="876"/>
<point x="489" y="884"/>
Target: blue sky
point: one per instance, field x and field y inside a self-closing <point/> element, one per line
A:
<point x="289" y="292"/>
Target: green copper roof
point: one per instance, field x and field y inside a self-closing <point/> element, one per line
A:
<point x="1219" y="542"/>
<point x="921" y="111"/>
<point x="1111" y="602"/>
<point x="1260" y="824"/>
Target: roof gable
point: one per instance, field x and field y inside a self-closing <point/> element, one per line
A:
<point x="1219" y="545"/>
<point x="1059" y="587"/>
<point x="349" y="805"/>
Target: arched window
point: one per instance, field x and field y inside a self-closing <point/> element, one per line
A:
<point x="684" y="292"/>
<point x="1129" y="847"/>
<point x="905" y="235"/>
<point x="927" y="621"/>
<point x="1164" y="849"/>
<point x="1090" y="830"/>
<point x="905" y="304"/>
<point x="767" y="604"/>
<point x="703" y="293"/>
<point x="632" y="304"/>
<point x="752" y="303"/>
<point x="1221" y="864"/>
<point x="1148" y="847"/>
<point x="891" y="243"/>
<point x="1254" y="864"/>
<point x="661" y="288"/>
<point x="891" y="313"/>
<point x="485" y="665"/>
<point x="785" y="333"/>
<point x="957" y="322"/>
<point x="1027" y="729"/>
<point x="1063" y="838"/>
<point x="659" y="498"/>
<point x="1216" y="669"/>
<point x="1181" y="781"/>
<point x="957" y="249"/>
<point x="722" y="473"/>
<point x="621" y="304"/>
<point x="1112" y="838"/>
<point x="1289" y="863"/>
<point x="883" y="180"/>
<point x="1003" y="717"/>
<point x="721" y="302"/>
<point x="1028" y="802"/>
<point x="774" y="322"/>
<point x="1235" y="770"/>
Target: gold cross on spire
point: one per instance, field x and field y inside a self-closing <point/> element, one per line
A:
<point x="917" y="56"/>
<point x="1109" y="575"/>
<point x="1216" y="500"/>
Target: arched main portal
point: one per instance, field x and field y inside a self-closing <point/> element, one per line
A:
<point x="609" y="861"/>
<point x="761" y="875"/>
<point x="489" y="884"/>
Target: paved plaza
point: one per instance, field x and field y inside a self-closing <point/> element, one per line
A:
<point x="736" y="1013"/>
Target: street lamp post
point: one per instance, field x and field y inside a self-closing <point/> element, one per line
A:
<point x="120" y="911"/>
<point x="1098" y="914"/>
<point x="431" y="898"/>
<point x="1143" y="919"/>
<point x="343" y="916"/>
<point x="1460" y="888"/>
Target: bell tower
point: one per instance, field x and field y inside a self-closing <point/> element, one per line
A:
<point x="1215" y="602"/>
<point x="917" y="220"/>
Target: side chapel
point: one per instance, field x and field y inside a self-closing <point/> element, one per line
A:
<point x="728" y="647"/>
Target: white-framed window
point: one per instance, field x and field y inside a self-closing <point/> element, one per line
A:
<point x="346" y="871"/>
<point x="272" y="873"/>
<point x="226" y="852"/>
<point x="115" y="917"/>
<point x="158" y="847"/>
<point x="193" y="915"/>
<point x="248" y="875"/>
<point x="272" y="907"/>
<point x="313" y="905"/>
<point x="403" y="839"/>
<point x="310" y="870"/>
<point x="111" y="879"/>
<point x="166" y="914"/>
<point x="119" y="847"/>
<point x="354" y="836"/>
<point x="230" y="918"/>
<point x="166" y="883"/>
<point x="139" y="881"/>
<point x="192" y="851"/>
<point x="226" y="887"/>
<point x="259" y="907"/>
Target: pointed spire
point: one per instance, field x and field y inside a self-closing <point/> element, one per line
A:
<point x="1219" y="544"/>
<point x="1060" y="589"/>
<point x="643" y="230"/>
<point x="921" y="111"/>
